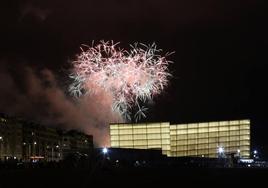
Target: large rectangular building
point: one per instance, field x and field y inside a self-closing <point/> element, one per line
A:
<point x="141" y="136"/>
<point x="209" y="139"/>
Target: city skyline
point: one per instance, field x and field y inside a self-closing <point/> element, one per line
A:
<point x="218" y="70"/>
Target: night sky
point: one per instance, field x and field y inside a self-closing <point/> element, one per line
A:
<point x="220" y="60"/>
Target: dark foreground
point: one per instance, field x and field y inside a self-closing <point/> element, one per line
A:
<point x="134" y="177"/>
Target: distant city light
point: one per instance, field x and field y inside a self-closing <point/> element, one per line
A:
<point x="221" y="149"/>
<point x="35" y="143"/>
<point x="238" y="151"/>
<point x="247" y="160"/>
<point x="57" y="146"/>
<point x="255" y="151"/>
<point x="1" y="138"/>
<point x="104" y="150"/>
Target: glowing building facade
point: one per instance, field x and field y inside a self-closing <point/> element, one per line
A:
<point x="210" y="139"/>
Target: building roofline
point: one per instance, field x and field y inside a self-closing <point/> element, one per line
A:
<point x="110" y="124"/>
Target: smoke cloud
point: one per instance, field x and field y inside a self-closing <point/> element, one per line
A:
<point x="37" y="95"/>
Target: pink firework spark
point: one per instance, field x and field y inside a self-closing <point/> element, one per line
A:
<point x="128" y="77"/>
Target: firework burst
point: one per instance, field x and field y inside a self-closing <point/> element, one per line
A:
<point x="129" y="78"/>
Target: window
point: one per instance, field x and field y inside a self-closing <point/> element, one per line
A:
<point x="192" y="136"/>
<point x="181" y="148"/>
<point x="203" y="130"/>
<point x="202" y="140"/>
<point x="153" y="136"/>
<point x="192" y="147"/>
<point x="153" y="130"/>
<point x="213" y="134"/>
<point x="244" y="143"/>
<point x="114" y="143"/>
<point x="203" y="135"/>
<point x="126" y="137"/>
<point x="234" y="133"/>
<point x="244" y="137"/>
<point x="244" y="132"/>
<point x="165" y="135"/>
<point x="234" y="122"/>
<point x="113" y="126"/>
<point x="139" y="131"/>
<point x="140" y="142"/>
<point x="234" y="143"/>
<point x="234" y="138"/>
<point x="181" y="142"/>
<point x="244" y="127"/>
<point x="190" y="131"/>
<point x="234" y="127"/>
<point x="182" y="131"/>
<point x="223" y="139"/>
<point x="192" y="141"/>
<point x="193" y="152"/>
<point x="113" y="137"/>
<point x="193" y="126"/>
<point x="245" y="121"/>
<point x="165" y="130"/>
<point x="182" y="126"/>
<point x="224" y="128"/>
<point x="181" y="137"/>
<point x="125" y="131"/>
<point x="213" y="145"/>
<point x="202" y="151"/>
<point x="213" y="139"/>
<point x="165" y="141"/>
<point x="126" y="143"/>
<point x="154" y="142"/>
<point x="223" y="134"/>
<point x="181" y="153"/>
<point x="139" y="136"/>
<point x="203" y="146"/>
<point x="222" y="123"/>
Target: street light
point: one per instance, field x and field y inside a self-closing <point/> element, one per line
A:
<point x="220" y="151"/>
<point x="104" y="150"/>
<point x="1" y="139"/>
<point x="255" y="154"/>
<point x="35" y="148"/>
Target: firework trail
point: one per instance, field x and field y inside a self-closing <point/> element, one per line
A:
<point x="128" y="78"/>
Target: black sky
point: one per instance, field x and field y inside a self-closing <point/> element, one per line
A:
<point x="220" y="64"/>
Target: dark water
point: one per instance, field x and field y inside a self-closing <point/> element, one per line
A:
<point x="134" y="177"/>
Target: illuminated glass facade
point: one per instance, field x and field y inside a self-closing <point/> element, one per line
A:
<point x="141" y="136"/>
<point x="193" y="139"/>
